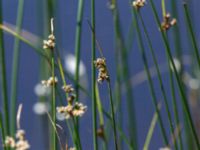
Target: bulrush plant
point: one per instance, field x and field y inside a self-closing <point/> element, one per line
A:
<point x="118" y="123"/>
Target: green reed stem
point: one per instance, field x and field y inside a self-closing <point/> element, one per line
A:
<point x="2" y="131"/>
<point x="172" y="90"/>
<point x="158" y="73"/>
<point x="150" y="82"/>
<point x="3" y="78"/>
<point x="15" y="67"/>
<point x="94" y="115"/>
<point x="118" y="93"/>
<point x="178" y="48"/>
<point x="77" y="141"/>
<point x="150" y="131"/>
<point x="126" y="78"/>
<point x="53" y="104"/>
<point x="113" y="115"/>
<point x="78" y="43"/>
<point x="180" y="85"/>
<point x="163" y="8"/>
<point x="194" y="42"/>
<point x="101" y="118"/>
<point x="66" y="95"/>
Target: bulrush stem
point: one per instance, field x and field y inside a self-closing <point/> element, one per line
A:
<point x="113" y="115"/>
<point x="194" y="42"/>
<point x="3" y="78"/>
<point x="94" y="103"/>
<point x="15" y="67"/>
<point x="2" y="131"/>
<point x="150" y="81"/>
<point x="53" y="104"/>
<point x="78" y="43"/>
<point x="179" y="82"/>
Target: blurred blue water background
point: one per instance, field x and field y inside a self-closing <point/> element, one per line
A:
<point x="65" y="22"/>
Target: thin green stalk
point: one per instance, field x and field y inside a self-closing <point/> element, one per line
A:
<point x="175" y="108"/>
<point x="126" y="76"/>
<point x="180" y="85"/>
<point x="118" y="90"/>
<point x="131" y="36"/>
<point x="178" y="48"/>
<point x="121" y="133"/>
<point x="2" y="131"/>
<point x="78" y="43"/>
<point x="3" y="78"/>
<point x="101" y="118"/>
<point x="150" y="82"/>
<point x="15" y="67"/>
<point x="113" y="115"/>
<point x="163" y="8"/>
<point x="53" y="105"/>
<point x="172" y="90"/>
<point x="158" y="73"/>
<point x="94" y="115"/>
<point x="194" y="42"/>
<point x="150" y="131"/>
<point x="77" y="141"/>
<point x="66" y="95"/>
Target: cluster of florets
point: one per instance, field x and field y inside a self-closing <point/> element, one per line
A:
<point x="138" y="4"/>
<point x="72" y="109"/>
<point x="100" y="64"/>
<point x="20" y="143"/>
<point x="50" y="42"/>
<point x="168" y="22"/>
<point x="50" y="82"/>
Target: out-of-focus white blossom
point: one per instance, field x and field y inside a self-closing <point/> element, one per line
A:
<point x="41" y="90"/>
<point x="164" y="148"/>
<point x="70" y="65"/>
<point x="177" y="65"/>
<point x="50" y="81"/>
<point x="40" y="108"/>
<point x="194" y="83"/>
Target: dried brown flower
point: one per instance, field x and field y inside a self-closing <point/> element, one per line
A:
<point x="168" y="22"/>
<point x="20" y="143"/>
<point x="100" y="64"/>
<point x="50" y="82"/>
<point x="138" y="4"/>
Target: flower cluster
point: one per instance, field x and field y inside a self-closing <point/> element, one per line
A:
<point x="50" y="43"/>
<point x="50" y="82"/>
<point x="138" y="4"/>
<point x="100" y="64"/>
<point x="72" y="109"/>
<point x="20" y="143"/>
<point x="68" y="88"/>
<point x="168" y="22"/>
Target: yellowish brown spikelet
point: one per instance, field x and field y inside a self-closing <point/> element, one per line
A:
<point x="100" y="64"/>
<point x="50" y="82"/>
<point x="68" y="88"/>
<point x="168" y="22"/>
<point x="20" y="143"/>
<point x="50" y="42"/>
<point x="72" y="110"/>
<point x="138" y="4"/>
<point x="100" y="132"/>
